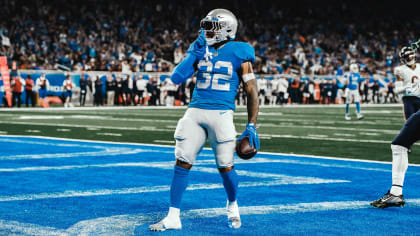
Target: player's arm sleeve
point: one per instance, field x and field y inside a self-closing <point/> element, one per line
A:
<point x="245" y="52"/>
<point x="398" y="74"/>
<point x="399" y="87"/>
<point x="185" y="69"/>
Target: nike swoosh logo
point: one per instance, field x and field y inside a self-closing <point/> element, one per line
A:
<point x="222" y="112"/>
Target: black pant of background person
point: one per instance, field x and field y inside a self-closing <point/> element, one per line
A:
<point x="16" y="100"/>
<point x="82" y="98"/>
<point x="98" y="98"/>
<point x="30" y="95"/>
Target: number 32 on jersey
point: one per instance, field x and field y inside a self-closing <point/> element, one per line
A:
<point x="215" y="76"/>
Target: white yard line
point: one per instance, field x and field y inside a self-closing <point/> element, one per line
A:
<point x="171" y="146"/>
<point x="148" y="128"/>
<point x="32" y="131"/>
<point x="110" y="134"/>
<point x="163" y="188"/>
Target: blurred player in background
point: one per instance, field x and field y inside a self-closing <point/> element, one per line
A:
<point x="221" y="64"/>
<point x="29" y="90"/>
<point x="68" y="86"/>
<point x="352" y="92"/>
<point x="42" y="85"/>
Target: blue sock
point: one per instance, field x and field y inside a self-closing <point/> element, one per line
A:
<point x="347" y="108"/>
<point x="179" y="184"/>
<point x="358" y="107"/>
<point x="230" y="181"/>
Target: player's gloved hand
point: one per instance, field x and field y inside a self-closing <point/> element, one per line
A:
<point x="251" y="132"/>
<point x="199" y="45"/>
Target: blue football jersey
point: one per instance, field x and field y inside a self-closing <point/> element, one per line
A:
<point x="217" y="79"/>
<point x="353" y="79"/>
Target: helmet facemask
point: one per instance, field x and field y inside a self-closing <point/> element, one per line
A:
<point x="408" y="56"/>
<point x="219" y="25"/>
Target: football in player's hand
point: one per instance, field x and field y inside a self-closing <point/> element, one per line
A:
<point x="244" y="149"/>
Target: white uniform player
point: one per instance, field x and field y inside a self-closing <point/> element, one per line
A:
<point x="262" y="88"/>
<point x="408" y="81"/>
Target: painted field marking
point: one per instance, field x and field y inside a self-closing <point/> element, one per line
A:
<point x="33" y="131"/>
<point x="110" y="134"/>
<point x="344" y="134"/>
<point x="41" y="117"/>
<point x="126" y="224"/>
<point x="369" y="134"/>
<point x="164" y="141"/>
<point x="288" y="180"/>
<point x="63" y="130"/>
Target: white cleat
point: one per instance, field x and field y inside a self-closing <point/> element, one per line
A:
<point x="171" y="221"/>
<point x="234" y="219"/>
<point x="360" y="116"/>
<point x="347" y="117"/>
<point x="166" y="223"/>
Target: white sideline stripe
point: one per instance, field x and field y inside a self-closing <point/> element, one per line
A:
<point x="149" y="128"/>
<point x="169" y="165"/>
<point x="162" y="188"/>
<point x="175" y="121"/>
<point x="107" y="152"/>
<point x="39" y="117"/>
<point x="163" y="141"/>
<point x="171" y="146"/>
<point x="87" y="126"/>
<point x="126" y="224"/>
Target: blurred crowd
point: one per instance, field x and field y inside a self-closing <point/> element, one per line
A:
<point x="152" y="36"/>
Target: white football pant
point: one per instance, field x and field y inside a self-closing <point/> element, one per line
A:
<point x="198" y="124"/>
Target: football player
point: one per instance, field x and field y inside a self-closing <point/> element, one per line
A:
<point x="68" y="86"/>
<point x="352" y="92"/>
<point x="408" y="76"/>
<point x="42" y="84"/>
<point x="221" y="65"/>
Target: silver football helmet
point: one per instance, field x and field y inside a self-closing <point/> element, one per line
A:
<point x="219" y="25"/>
<point x="354" y="68"/>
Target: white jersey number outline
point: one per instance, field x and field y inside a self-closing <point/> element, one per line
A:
<point x="214" y="78"/>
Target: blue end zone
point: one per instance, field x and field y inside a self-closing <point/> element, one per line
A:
<point x="55" y="186"/>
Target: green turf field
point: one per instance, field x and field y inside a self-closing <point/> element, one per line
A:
<point x="314" y="130"/>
